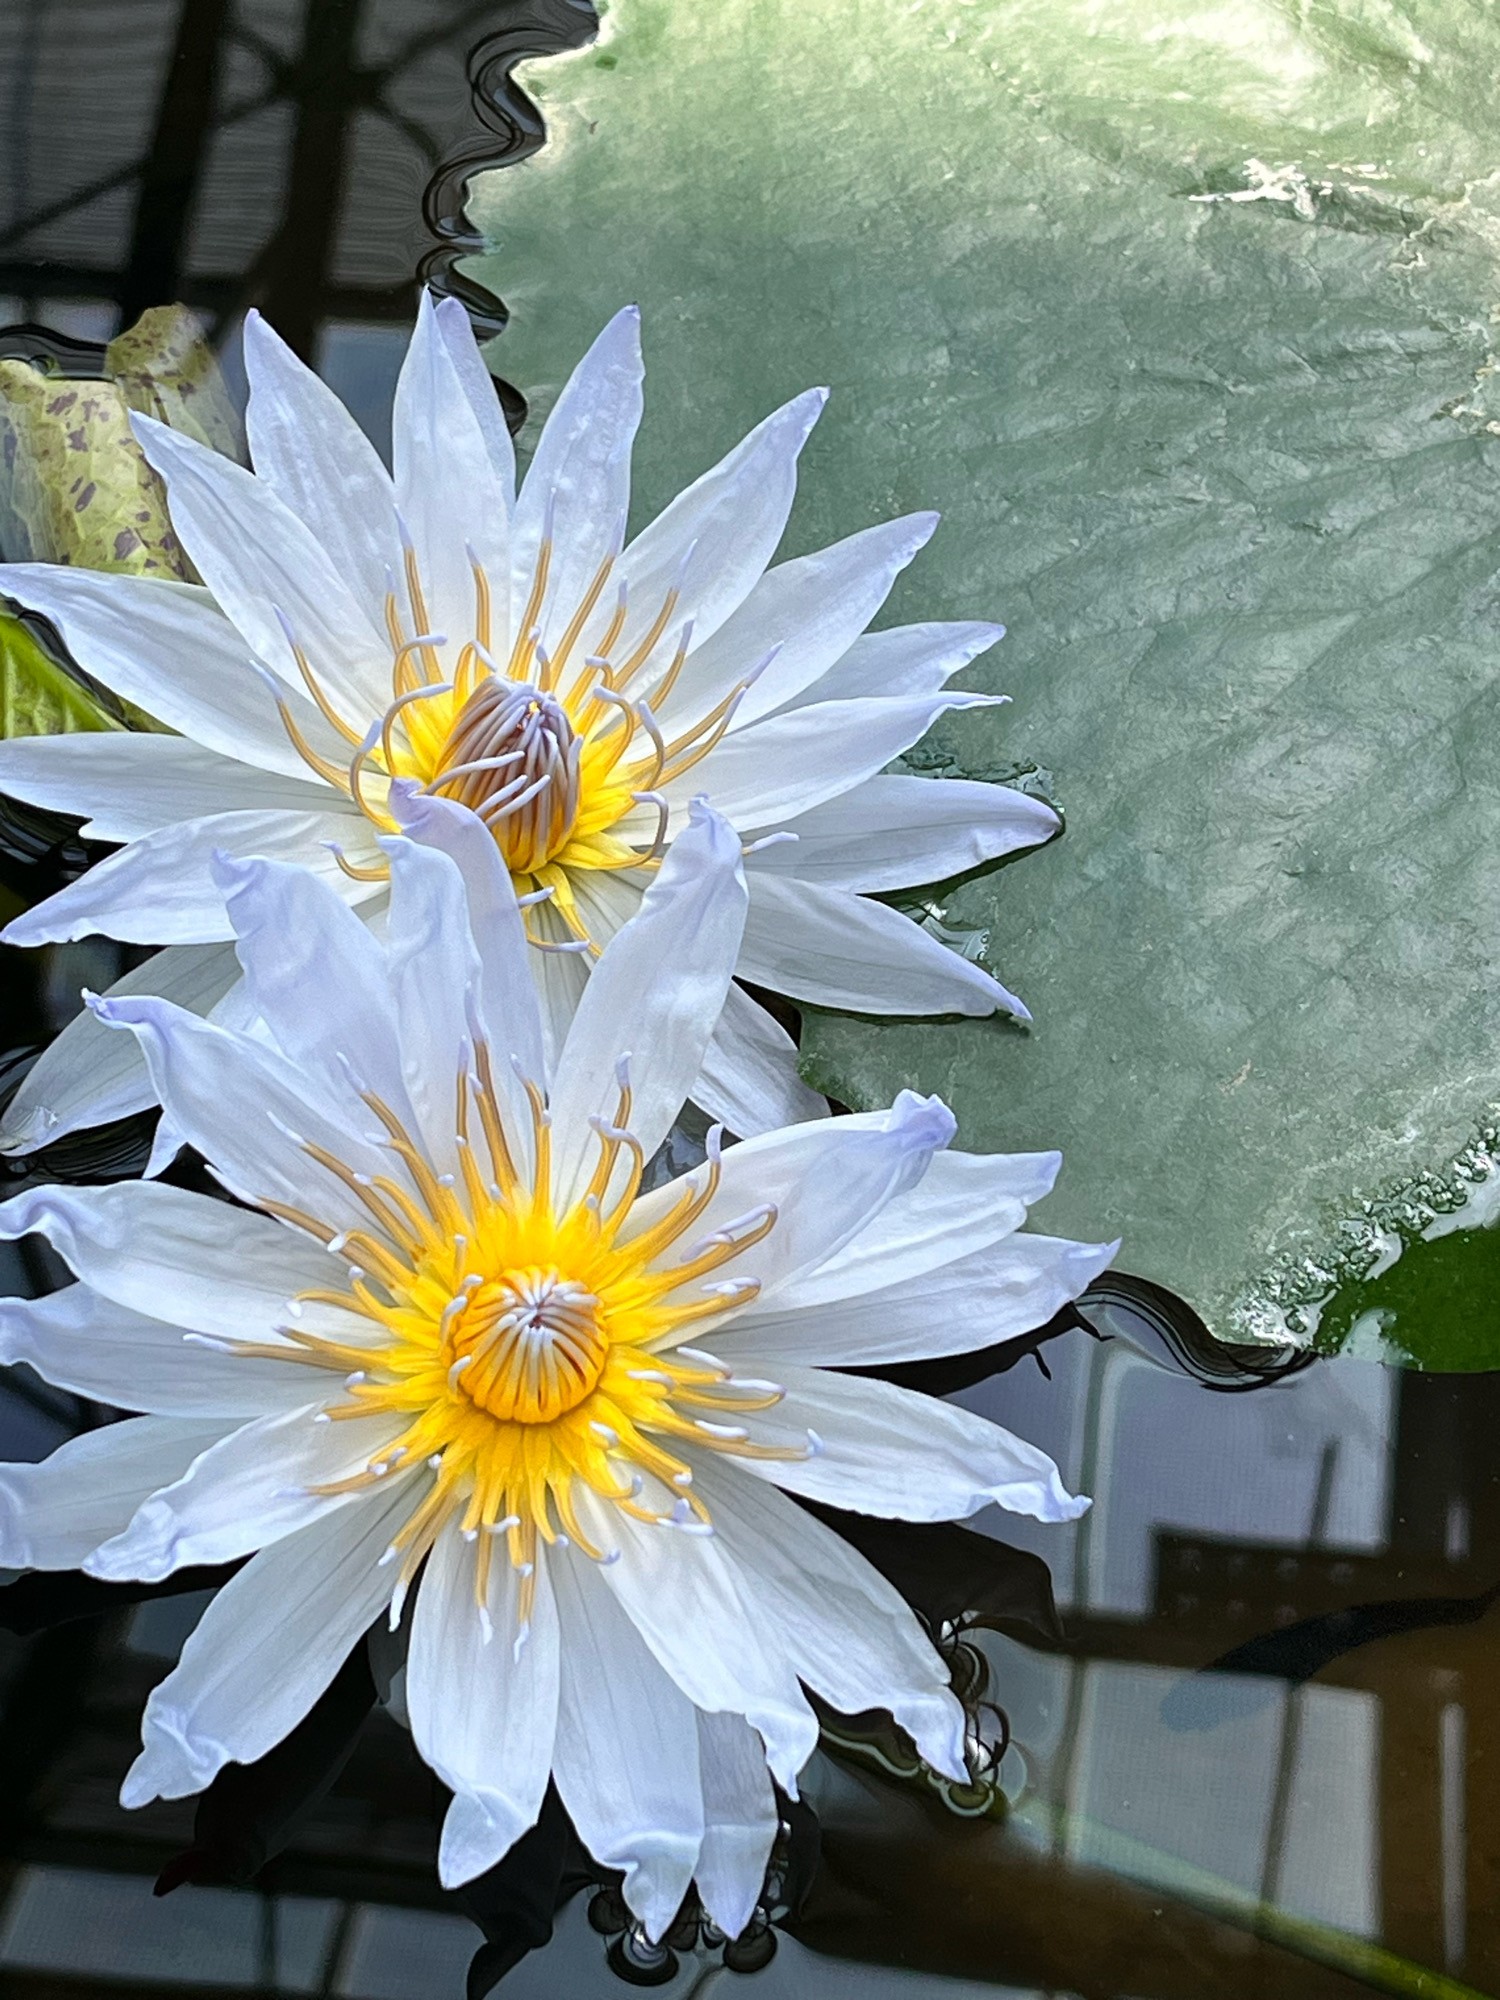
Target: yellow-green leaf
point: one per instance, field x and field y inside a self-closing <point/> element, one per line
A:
<point x="37" y="696"/>
<point x="78" y="489"/>
<point x="167" y="370"/>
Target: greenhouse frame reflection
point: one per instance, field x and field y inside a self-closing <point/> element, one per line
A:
<point x="1389" y="1475"/>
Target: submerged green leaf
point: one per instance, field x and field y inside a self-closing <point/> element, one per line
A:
<point x="1215" y="439"/>
<point x="37" y="696"/>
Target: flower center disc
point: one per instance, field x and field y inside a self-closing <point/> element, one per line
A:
<point x="530" y="1345"/>
<point x="512" y="756"/>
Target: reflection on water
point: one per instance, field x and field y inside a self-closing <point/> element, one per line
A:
<point x="1270" y="1683"/>
<point x="309" y="157"/>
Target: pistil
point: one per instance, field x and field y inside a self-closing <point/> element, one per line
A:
<point x="552" y="760"/>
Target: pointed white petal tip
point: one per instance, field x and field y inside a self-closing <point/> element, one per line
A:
<point x="627" y="321"/>
<point x="703" y="813"/>
<point x="942" y="1742"/>
<point x="34" y="927"/>
<point x="232" y="872"/>
<point x="138" y="1788"/>
<point x="28" y="1133"/>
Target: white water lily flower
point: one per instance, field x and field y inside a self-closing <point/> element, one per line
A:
<point x="517" y="655"/>
<point x="456" y="1347"/>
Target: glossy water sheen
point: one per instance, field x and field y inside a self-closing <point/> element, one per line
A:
<point x="1255" y="1750"/>
<point x="1271" y="1684"/>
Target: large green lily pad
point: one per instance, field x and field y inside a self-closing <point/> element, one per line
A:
<point x="1216" y="439"/>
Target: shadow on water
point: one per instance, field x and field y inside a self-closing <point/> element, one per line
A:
<point x="1235" y="1733"/>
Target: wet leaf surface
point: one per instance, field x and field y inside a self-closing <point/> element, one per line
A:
<point x="1215" y="440"/>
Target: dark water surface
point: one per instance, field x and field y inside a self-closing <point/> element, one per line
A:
<point x="1243" y="1721"/>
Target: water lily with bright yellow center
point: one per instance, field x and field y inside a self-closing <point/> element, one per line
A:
<point x="515" y="652"/>
<point x="464" y="1363"/>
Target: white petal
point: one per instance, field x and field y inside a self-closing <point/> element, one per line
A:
<point x="767" y="774"/>
<point x="233" y="1011"/>
<point x="996" y="1294"/>
<point x="316" y="976"/>
<point x="892" y="831"/>
<point x="259" y="560"/>
<point x="168" y="648"/>
<point x="561" y="977"/>
<point x="507" y="995"/>
<point x="251" y="1489"/>
<point x="446" y="487"/>
<point x="479" y="391"/>
<point x="963" y="1203"/>
<point x="652" y="1003"/>
<point x="739" y="1809"/>
<point x="55" y="1513"/>
<point x="712" y="543"/>
<point x="265" y="1650"/>
<point x="124" y="784"/>
<point x="683" y="1597"/>
<point x="909" y="1457"/>
<point x="812" y="609"/>
<point x="908" y="660"/>
<point x="849" y="1634"/>
<point x="315" y="458"/>
<point x="749" y="1079"/>
<point x="174" y="1255"/>
<point x="161" y="889"/>
<point x="826" y="1180"/>
<point x="580" y="476"/>
<point x="77" y="1340"/>
<point x="252" y="1114"/>
<point x="435" y="979"/>
<point x="626" y="1760"/>
<point x="483" y="1714"/>
<point x="88" y="1075"/>
<point x="839" y="950"/>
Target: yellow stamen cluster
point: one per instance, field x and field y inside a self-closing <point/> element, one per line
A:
<point x="553" y="756"/>
<point x="528" y="1351"/>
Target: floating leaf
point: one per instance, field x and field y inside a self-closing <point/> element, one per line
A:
<point x="76" y="488"/>
<point x="1216" y="440"/>
<point x="167" y="370"/>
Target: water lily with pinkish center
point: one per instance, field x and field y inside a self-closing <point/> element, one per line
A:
<point x="362" y="636"/>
